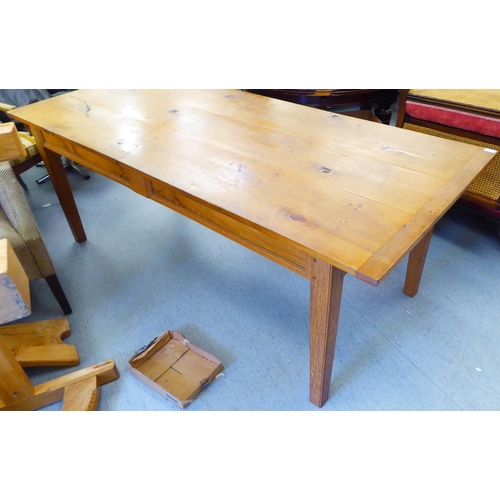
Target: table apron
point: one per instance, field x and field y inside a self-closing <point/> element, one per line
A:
<point x="236" y="230"/>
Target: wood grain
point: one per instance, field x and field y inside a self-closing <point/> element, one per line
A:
<point x="14" y="383"/>
<point x="326" y="295"/>
<point x="82" y="396"/>
<point x="40" y="343"/>
<point x="317" y="192"/>
<point x="416" y="262"/>
<point x="334" y="187"/>
<point x="53" y="390"/>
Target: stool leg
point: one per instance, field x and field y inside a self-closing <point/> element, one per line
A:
<point x="78" y="169"/>
<point x="14" y="383"/>
<point x="20" y="180"/>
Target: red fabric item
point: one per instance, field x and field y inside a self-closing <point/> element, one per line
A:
<point x="459" y="119"/>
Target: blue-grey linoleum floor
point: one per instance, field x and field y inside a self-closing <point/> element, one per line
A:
<point x="145" y="269"/>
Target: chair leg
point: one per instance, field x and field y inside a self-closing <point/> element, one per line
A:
<point x="23" y="184"/>
<point x="59" y="294"/>
<point x="72" y="165"/>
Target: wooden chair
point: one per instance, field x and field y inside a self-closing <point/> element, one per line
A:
<point x="469" y="116"/>
<point x="29" y="155"/>
<point x="17" y="223"/>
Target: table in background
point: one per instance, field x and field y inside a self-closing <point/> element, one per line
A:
<point x="378" y="101"/>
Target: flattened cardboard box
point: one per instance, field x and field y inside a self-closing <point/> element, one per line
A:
<point x="174" y="367"/>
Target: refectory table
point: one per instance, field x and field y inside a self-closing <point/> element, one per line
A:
<point x="319" y="193"/>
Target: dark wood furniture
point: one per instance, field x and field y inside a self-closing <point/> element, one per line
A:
<point x="379" y="101"/>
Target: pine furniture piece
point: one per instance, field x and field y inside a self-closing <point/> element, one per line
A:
<point x="39" y="344"/>
<point x="470" y="116"/>
<point x="319" y="193"/>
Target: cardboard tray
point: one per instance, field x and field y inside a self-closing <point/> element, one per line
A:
<point x="174" y="367"/>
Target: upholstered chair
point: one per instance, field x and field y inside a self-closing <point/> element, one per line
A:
<point x="18" y="225"/>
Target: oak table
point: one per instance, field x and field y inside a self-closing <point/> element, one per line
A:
<point x="319" y="193"/>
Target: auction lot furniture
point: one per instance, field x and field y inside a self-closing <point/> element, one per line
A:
<point x="468" y="116"/>
<point x="319" y="193"/>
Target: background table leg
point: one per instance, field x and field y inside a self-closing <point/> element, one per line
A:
<point x="416" y="262"/>
<point x="326" y="294"/>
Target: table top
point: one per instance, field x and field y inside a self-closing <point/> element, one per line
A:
<point x="356" y="194"/>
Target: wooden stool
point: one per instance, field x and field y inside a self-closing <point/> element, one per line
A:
<point x="39" y="344"/>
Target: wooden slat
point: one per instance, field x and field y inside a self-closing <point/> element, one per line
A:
<point x="82" y="396"/>
<point x="14" y="383"/>
<point x="53" y="390"/>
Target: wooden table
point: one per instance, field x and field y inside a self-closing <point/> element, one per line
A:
<point x="319" y="193"/>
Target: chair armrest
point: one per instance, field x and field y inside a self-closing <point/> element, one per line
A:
<point x="6" y="107"/>
<point x="11" y="147"/>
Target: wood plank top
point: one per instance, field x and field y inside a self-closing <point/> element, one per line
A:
<point x="356" y="194"/>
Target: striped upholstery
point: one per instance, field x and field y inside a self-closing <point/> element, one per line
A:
<point x="18" y="225"/>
